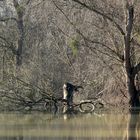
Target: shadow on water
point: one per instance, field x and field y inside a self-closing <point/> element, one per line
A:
<point x="39" y="126"/>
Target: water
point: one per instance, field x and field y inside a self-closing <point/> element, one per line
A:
<point x="38" y="126"/>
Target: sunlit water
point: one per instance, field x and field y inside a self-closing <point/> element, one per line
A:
<point x="38" y="126"/>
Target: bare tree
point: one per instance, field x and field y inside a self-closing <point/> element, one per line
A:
<point x="93" y="43"/>
<point x="125" y="29"/>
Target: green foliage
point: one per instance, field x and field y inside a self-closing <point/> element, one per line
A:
<point x="73" y="44"/>
<point x="20" y="9"/>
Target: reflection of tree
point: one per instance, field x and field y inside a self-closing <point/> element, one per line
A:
<point x="133" y="126"/>
<point x="12" y="138"/>
<point x="19" y="138"/>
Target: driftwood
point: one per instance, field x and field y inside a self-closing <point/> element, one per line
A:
<point x="68" y="92"/>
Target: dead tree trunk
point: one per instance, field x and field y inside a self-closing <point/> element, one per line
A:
<point x="68" y="91"/>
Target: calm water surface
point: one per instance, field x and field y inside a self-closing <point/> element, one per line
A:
<point x="38" y="126"/>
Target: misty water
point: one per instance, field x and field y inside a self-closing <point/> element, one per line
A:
<point x="40" y="126"/>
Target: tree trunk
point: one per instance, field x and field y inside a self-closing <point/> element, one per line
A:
<point x="20" y="12"/>
<point x="130" y="76"/>
<point x="133" y="93"/>
<point x="20" y="42"/>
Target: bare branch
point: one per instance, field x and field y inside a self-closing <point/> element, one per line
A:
<point x="7" y="19"/>
<point x="28" y="2"/>
<point x="135" y="42"/>
<point x="121" y="58"/>
<point x="136" y="69"/>
<point x="8" y="45"/>
<point x="30" y="85"/>
<point x="108" y="48"/>
<point x="101" y="14"/>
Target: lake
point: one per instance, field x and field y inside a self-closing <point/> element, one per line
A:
<point x="41" y="126"/>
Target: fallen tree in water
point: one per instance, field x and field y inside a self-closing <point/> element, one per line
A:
<point x="21" y="100"/>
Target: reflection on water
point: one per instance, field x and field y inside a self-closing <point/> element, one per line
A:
<point x="134" y="126"/>
<point x="39" y="126"/>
